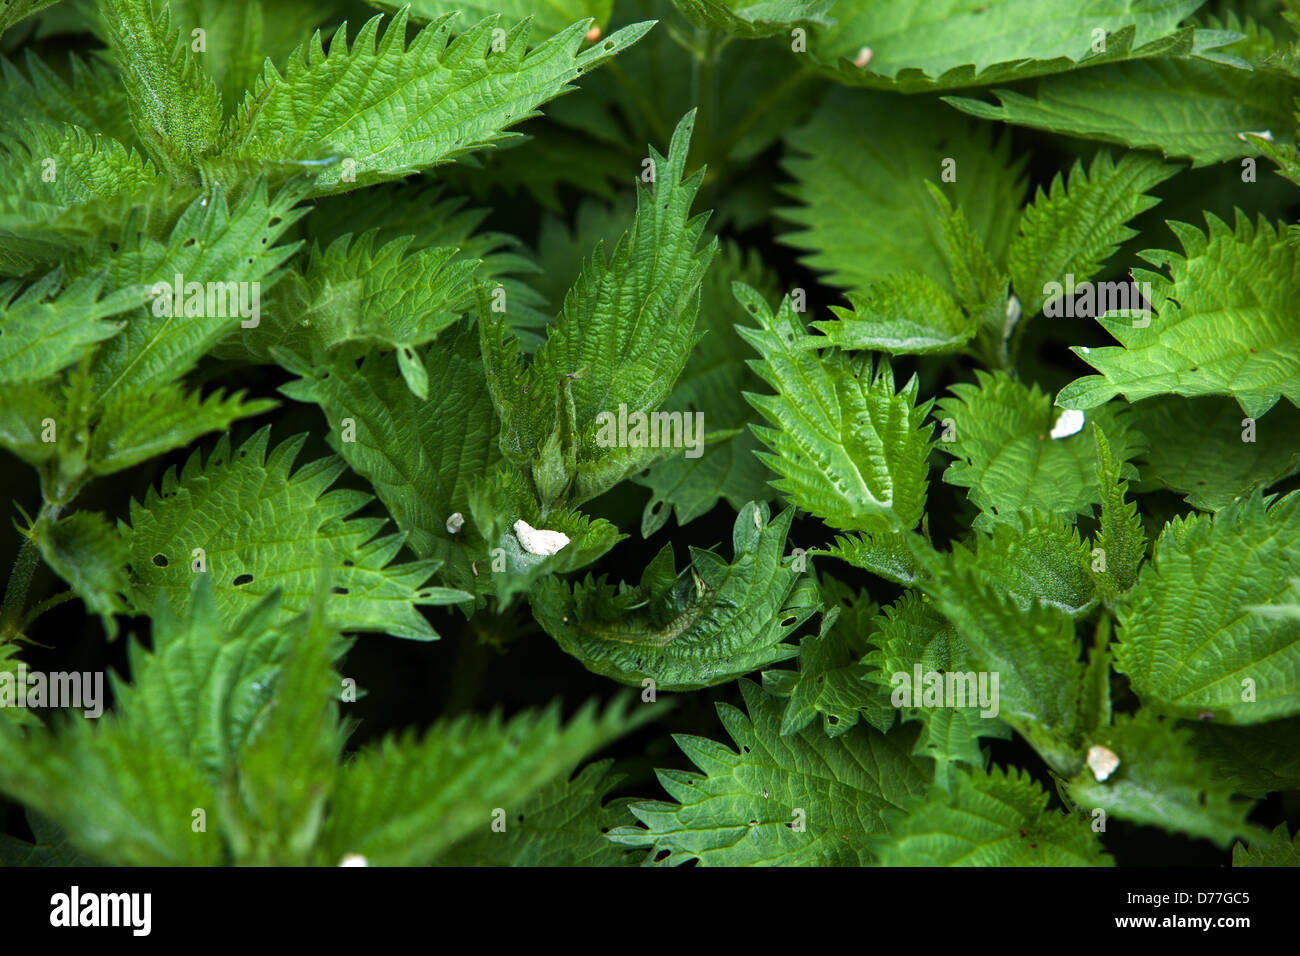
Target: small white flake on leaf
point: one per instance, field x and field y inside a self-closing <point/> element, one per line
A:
<point x="354" y="859"/>
<point x="455" y="522"/>
<point x="1102" y="761"/>
<point x="863" y="57"/>
<point x="1070" y="423"/>
<point x="539" y="540"/>
<point x="1264" y="134"/>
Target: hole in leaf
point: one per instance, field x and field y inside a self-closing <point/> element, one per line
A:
<point x="243" y="579"/>
<point x="160" y="561"/>
<point x="338" y="590"/>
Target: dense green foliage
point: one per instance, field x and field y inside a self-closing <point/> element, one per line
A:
<point x="379" y="389"/>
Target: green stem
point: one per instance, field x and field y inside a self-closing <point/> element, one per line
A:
<point x="644" y="103"/>
<point x="1102" y="636"/>
<point x="763" y="108"/>
<point x="20" y="579"/>
<point x="704" y="92"/>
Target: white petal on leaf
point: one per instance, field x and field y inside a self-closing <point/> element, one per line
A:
<point x="539" y="540"/>
<point x="1070" y="423"/>
<point x="1102" y="761"/>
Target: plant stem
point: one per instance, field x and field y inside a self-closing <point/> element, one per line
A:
<point x="20" y="579"/>
<point x="704" y="89"/>
<point x="1102" y="635"/>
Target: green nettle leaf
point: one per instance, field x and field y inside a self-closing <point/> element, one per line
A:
<point x="550" y="16"/>
<point x="999" y="818"/>
<point x="1220" y="327"/>
<point x="581" y="415"/>
<point x="751" y="20"/>
<point x="707" y="625"/>
<point x="943" y="44"/>
<point x="509" y="338"/>
<point x="242" y="518"/>
<point x="802" y="800"/>
<point x="10" y="675"/>
<point x="16" y="10"/>
<point x="352" y="296"/>
<point x="421" y="456"/>
<point x="50" y="848"/>
<point x="89" y="97"/>
<point x="422" y="216"/>
<point x="274" y="808"/>
<point x="205" y="281"/>
<point x="1121" y="542"/>
<point x="730" y="470"/>
<point x="125" y="786"/>
<point x="749" y="96"/>
<point x="239" y="36"/>
<point x="1029" y="644"/>
<point x="714" y="381"/>
<point x="405" y="800"/>
<point x="1032" y="557"/>
<point x="1276" y="849"/>
<point x="1001" y="435"/>
<point x="386" y="109"/>
<point x="174" y="104"/>
<point x="883" y="319"/>
<point x="848" y="447"/>
<point x="1071" y="230"/>
<point x="1234" y="457"/>
<point x="1254" y="760"/>
<point x="50" y="324"/>
<point x="1192" y="637"/>
<point x="514" y="557"/>
<point x="831" y="679"/>
<point x="64" y="186"/>
<point x="140" y="424"/>
<point x="1182" y="107"/>
<point x="884" y="554"/>
<point x="867" y="211"/>
<point x="1158" y="781"/>
<point x="90" y="555"/>
<point x="563" y="824"/>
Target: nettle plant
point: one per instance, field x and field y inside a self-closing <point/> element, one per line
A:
<point x="310" y="350"/>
